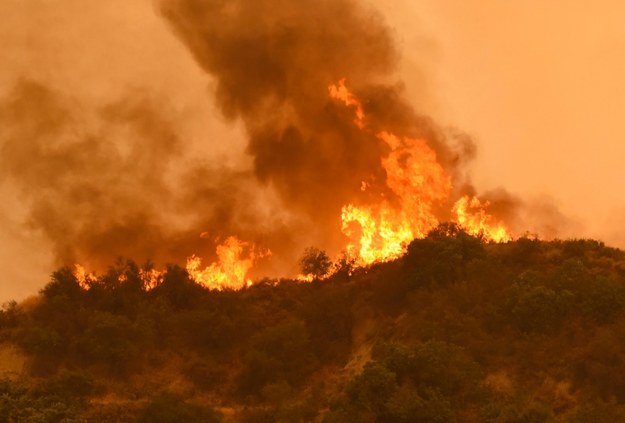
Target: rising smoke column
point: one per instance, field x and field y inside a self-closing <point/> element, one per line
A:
<point x="272" y="61"/>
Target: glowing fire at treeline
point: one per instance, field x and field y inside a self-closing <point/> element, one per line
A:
<point x="381" y="231"/>
<point x="235" y="258"/>
<point x="377" y="231"/>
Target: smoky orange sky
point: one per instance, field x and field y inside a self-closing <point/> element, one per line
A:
<point x="540" y="86"/>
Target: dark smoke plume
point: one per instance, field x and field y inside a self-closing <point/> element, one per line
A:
<point x="109" y="183"/>
<point x="117" y="180"/>
<point x="273" y="61"/>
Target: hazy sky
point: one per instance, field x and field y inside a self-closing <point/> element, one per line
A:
<point x="539" y="86"/>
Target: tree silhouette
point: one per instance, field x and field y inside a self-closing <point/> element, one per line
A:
<point x="315" y="262"/>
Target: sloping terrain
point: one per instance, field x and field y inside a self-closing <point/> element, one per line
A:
<point x="457" y="330"/>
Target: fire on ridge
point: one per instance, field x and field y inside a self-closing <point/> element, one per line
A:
<point x="376" y="231"/>
<point x="380" y="231"/>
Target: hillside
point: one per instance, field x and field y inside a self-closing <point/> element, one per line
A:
<point x="457" y="330"/>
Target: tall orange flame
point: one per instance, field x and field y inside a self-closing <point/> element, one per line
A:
<point x="417" y="181"/>
<point x="381" y="231"/>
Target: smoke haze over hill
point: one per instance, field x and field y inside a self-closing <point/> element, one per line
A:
<point x="113" y="145"/>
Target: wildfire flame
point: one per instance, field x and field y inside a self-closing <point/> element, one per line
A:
<point x="235" y="259"/>
<point x="381" y="231"/>
<point x="415" y="185"/>
<point x="82" y="276"/>
<point x="471" y="215"/>
<point x="304" y="278"/>
<point x="417" y="182"/>
<point x="151" y="278"/>
<point x="340" y="92"/>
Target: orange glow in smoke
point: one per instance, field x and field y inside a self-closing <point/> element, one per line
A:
<point x="340" y="92"/>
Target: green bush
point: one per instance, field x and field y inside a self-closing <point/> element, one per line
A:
<point x="21" y="404"/>
<point x="517" y="412"/>
<point x="538" y="308"/>
<point x="282" y="352"/>
<point x="113" y="342"/>
<point x="372" y="388"/>
<point x="605" y="301"/>
<point x="441" y="258"/>
<point x="598" y="412"/>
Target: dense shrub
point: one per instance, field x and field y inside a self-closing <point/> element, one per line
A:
<point x="279" y="353"/>
<point x="18" y="403"/>
<point x="462" y="330"/>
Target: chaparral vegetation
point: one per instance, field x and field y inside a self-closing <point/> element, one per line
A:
<point x="456" y="330"/>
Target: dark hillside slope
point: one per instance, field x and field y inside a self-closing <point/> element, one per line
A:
<point x="457" y="330"/>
